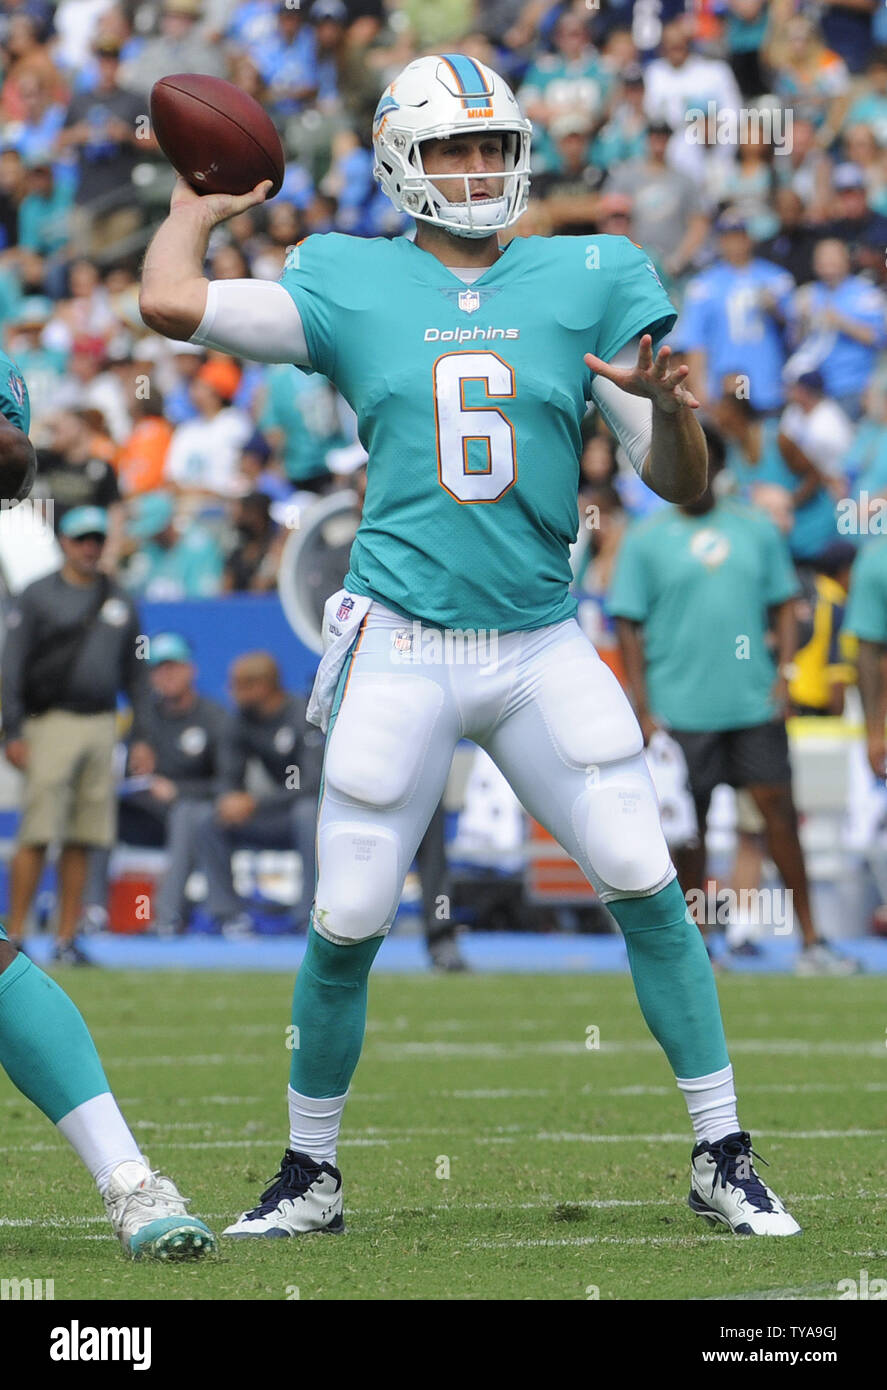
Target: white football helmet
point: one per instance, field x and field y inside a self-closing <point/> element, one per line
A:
<point x="435" y="98"/>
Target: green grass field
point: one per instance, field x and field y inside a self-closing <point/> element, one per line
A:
<point x="567" y="1164"/>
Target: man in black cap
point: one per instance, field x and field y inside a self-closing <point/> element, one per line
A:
<point x="71" y="645"/>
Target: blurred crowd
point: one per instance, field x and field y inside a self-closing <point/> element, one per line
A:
<point x="744" y="144"/>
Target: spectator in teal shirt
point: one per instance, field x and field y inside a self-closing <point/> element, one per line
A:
<point x="754" y="457"/>
<point x="170" y="564"/>
<point x="745" y="32"/>
<point x="870" y="107"/>
<point x="624" y="136"/>
<point x="43" y="212"/>
<point x="300" y="420"/>
<point x="693" y="593"/>
<point x="866" y="618"/>
<point x="43" y="368"/>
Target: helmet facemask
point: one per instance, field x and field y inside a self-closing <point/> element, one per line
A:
<point x="471" y="217"/>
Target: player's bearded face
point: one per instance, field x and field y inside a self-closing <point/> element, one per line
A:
<point x="481" y="157"/>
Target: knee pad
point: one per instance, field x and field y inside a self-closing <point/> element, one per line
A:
<point x="381" y="735"/>
<point x="617" y="820"/>
<point x="360" y="881"/>
<point x="585" y="709"/>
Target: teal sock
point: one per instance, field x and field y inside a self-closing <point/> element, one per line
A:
<point x="45" y="1047"/>
<point x="329" y="1012"/>
<point x="673" y="980"/>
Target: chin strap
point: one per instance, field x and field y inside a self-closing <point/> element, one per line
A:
<point x="471" y="219"/>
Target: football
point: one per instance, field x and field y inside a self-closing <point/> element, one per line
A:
<point x="215" y="135"/>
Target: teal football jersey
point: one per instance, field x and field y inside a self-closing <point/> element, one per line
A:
<point x="14" y="403"/>
<point x="469" y="402"/>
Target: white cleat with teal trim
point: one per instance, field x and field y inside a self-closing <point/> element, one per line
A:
<point x="150" y="1216"/>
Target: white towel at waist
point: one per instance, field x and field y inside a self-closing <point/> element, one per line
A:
<point x="343" y="614"/>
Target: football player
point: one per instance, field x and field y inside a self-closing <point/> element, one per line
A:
<point x="470" y="366"/>
<point x="45" y="1047"/>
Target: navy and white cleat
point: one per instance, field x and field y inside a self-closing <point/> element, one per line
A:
<point x="150" y="1216"/>
<point x="726" y="1190"/>
<point x="305" y="1196"/>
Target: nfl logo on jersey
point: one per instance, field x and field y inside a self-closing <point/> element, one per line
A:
<point x="344" y="609"/>
<point x="469" y="301"/>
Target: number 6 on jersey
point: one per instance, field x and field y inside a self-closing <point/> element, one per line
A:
<point x="458" y="425"/>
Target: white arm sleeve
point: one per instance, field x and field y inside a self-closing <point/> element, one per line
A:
<point x="629" y="417"/>
<point x="255" y="319"/>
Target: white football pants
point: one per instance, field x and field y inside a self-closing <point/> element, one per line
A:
<point x="548" y="711"/>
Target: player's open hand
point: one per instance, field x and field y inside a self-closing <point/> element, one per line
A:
<point x="649" y="377"/>
<point x="217" y="207"/>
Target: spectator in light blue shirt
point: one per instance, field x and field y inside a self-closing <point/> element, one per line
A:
<point x="252" y="23"/>
<point x="839" y="323"/>
<point x="329" y="19"/>
<point x="43" y="119"/>
<point x="287" y="61"/>
<point x="733" y="320"/>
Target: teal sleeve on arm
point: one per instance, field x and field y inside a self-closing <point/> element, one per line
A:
<point x="15" y="405"/>
<point x="636" y="302"/>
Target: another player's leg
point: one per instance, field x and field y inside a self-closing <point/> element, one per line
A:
<point x="440" y="932"/>
<point x="47" y="1052"/>
<point x="388" y="754"/>
<point x="573" y="754"/>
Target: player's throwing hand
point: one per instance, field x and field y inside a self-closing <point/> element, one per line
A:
<point x="648" y="377"/>
<point x="217" y="207"/>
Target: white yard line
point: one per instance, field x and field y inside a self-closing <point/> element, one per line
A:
<point x="372" y="1139"/>
<point x="482" y="1243"/>
<point x="406" y="1051"/>
<point x="456" y="1208"/>
<point x="518" y="1093"/>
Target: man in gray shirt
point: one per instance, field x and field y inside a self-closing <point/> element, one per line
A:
<point x="71" y="646"/>
<point x="268" y="728"/>
<point x="667" y="213"/>
<point x="180" y="46"/>
<point x="173" y="782"/>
